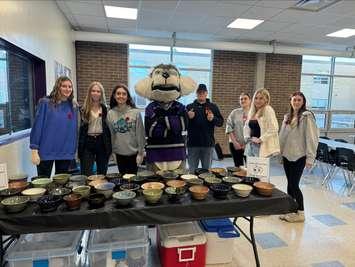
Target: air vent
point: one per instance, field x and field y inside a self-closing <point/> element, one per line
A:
<point x="313" y="5"/>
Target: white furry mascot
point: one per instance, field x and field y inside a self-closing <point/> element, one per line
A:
<point x="165" y="118"/>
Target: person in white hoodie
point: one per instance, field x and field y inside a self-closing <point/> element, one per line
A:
<point x="261" y="128"/>
<point x="127" y="130"/>
<point x="299" y="141"/>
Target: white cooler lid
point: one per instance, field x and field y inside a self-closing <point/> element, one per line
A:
<point x="181" y="234"/>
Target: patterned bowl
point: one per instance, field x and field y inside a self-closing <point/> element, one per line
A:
<point x="61" y="179"/>
<point x="83" y="190"/>
<point x="124" y="198"/>
<point x="15" y="204"/>
<point x="151" y="195"/>
<point x="41" y="182"/>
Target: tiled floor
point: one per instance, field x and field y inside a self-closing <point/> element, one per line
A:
<point x="325" y="239"/>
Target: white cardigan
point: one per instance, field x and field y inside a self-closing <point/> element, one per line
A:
<point x="269" y="137"/>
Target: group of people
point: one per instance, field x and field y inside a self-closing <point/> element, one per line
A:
<point x="62" y="128"/>
<point x="253" y="131"/>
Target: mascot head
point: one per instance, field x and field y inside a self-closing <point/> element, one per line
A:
<point x="165" y="84"/>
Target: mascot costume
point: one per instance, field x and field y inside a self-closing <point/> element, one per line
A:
<point x="165" y="118"/>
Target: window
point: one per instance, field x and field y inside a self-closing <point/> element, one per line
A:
<point x="195" y="63"/>
<point x="19" y="73"/>
<point x="329" y="84"/>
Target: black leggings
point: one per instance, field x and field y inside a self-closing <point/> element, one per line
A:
<point x="127" y="164"/>
<point x="294" y="170"/>
<point x="238" y="155"/>
<point x="45" y="167"/>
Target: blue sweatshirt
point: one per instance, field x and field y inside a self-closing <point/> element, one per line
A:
<point x="54" y="132"/>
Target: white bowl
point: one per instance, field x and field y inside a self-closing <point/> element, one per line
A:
<point x="34" y="193"/>
<point x="242" y="190"/>
<point x="188" y="177"/>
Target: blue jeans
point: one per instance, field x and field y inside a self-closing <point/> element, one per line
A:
<point x="195" y="154"/>
<point x="252" y="150"/>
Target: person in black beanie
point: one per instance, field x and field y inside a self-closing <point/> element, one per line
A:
<point x="203" y="116"/>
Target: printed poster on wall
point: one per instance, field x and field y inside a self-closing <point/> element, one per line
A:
<point x="259" y="168"/>
<point x="3" y="176"/>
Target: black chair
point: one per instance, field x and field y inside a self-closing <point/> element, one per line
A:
<point x="343" y="157"/>
<point x="351" y="168"/>
<point x="323" y="156"/>
<point x="324" y="137"/>
<point x="340" y="140"/>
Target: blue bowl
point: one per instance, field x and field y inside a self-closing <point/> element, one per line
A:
<point x="220" y="191"/>
<point x="49" y="203"/>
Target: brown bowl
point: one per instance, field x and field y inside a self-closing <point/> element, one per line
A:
<point x="73" y="201"/>
<point x="218" y="171"/>
<point x="94" y="183"/>
<point x="20" y="185"/>
<point x="263" y="188"/>
<point x="153" y="185"/>
<point x="241" y="173"/>
<point x="96" y="177"/>
<point x="199" y="192"/>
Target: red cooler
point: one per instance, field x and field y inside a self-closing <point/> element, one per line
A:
<point x="182" y="245"/>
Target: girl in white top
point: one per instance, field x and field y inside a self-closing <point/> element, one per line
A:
<point x="261" y="128"/>
<point x="299" y="141"/>
<point x="234" y="129"/>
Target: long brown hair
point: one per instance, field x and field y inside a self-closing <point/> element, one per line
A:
<point x="88" y="100"/>
<point x="55" y="95"/>
<point x="290" y="113"/>
<point x="113" y="102"/>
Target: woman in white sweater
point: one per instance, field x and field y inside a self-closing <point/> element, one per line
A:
<point x="261" y="128"/>
<point x="299" y="141"/>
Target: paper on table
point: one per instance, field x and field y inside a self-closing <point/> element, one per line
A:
<point x="3" y="176"/>
<point x="259" y="168"/>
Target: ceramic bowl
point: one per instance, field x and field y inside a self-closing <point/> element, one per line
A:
<point x="96" y="200"/>
<point x="83" y="190"/>
<point x="106" y="189"/>
<point x="15" y="204"/>
<point x="168" y="175"/>
<point x="97" y="182"/>
<point x="61" y="179"/>
<point x="114" y="175"/>
<point x="20" y="185"/>
<point x="230" y="180"/>
<point x="249" y="180"/>
<point x="199" y="192"/>
<point x="173" y="193"/>
<point x="211" y="181"/>
<point x="219" y="172"/>
<point x="118" y="182"/>
<point x="130" y="186"/>
<point x="60" y="191"/>
<point x="137" y="179"/>
<point x="37" y="177"/>
<point x="9" y="192"/>
<point x="199" y="171"/>
<point x="241" y="173"/>
<point x="96" y="177"/>
<point x="49" y="203"/>
<point x="124" y="198"/>
<point x="153" y="185"/>
<point x="179" y="185"/>
<point x="78" y="179"/>
<point x="232" y="169"/>
<point x="242" y="190"/>
<point x="152" y="195"/>
<point x="41" y="182"/>
<point x="34" y="193"/>
<point x="73" y="201"/>
<point x="18" y="177"/>
<point x="128" y="176"/>
<point x="187" y="177"/>
<point x="220" y="191"/>
<point x="146" y="174"/>
<point x="264" y="189"/>
<point x="196" y="181"/>
<point x="205" y="175"/>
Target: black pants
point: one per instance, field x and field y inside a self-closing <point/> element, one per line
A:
<point x="294" y="170"/>
<point x="45" y="167"/>
<point x="127" y="164"/>
<point x="238" y="155"/>
<point x="94" y="150"/>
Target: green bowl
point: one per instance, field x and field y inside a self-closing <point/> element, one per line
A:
<point x="41" y="182"/>
<point x="124" y="198"/>
<point x="15" y="204"/>
<point x="152" y="196"/>
<point x="62" y="178"/>
<point x="83" y="190"/>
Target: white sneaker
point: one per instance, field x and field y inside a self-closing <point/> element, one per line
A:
<point x="295" y="217"/>
<point x="283" y="216"/>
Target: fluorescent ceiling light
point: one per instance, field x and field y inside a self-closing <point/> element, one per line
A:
<point x="121" y="12"/>
<point x="192" y="50"/>
<point x="150" y="47"/>
<point x="247" y="24"/>
<point x="344" y="33"/>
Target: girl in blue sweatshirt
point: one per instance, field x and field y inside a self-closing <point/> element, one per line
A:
<point x="55" y="130"/>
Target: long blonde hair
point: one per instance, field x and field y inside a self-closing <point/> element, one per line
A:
<point x="259" y="113"/>
<point x="55" y="96"/>
<point x="88" y="100"/>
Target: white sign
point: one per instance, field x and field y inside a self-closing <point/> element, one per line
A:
<point x="259" y="168"/>
<point x="3" y="176"/>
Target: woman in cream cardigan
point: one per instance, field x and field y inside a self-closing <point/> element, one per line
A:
<point x="261" y="128"/>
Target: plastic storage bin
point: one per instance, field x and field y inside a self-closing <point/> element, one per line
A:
<point x="181" y="245"/>
<point x="220" y="235"/>
<point x="56" y="249"/>
<point x="121" y="247"/>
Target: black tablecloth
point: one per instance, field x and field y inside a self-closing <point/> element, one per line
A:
<point x="31" y="220"/>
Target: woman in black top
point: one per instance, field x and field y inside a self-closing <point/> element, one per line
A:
<point x="94" y="136"/>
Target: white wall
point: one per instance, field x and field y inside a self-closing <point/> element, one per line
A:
<point x="41" y="29"/>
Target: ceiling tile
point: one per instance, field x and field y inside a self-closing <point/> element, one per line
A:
<point x="82" y="8"/>
<point x="121" y="24"/>
<point x="270" y="26"/>
<point x="196" y="7"/>
<point x="276" y="3"/>
<point x="346" y="7"/>
<point x="260" y="13"/>
<point x="158" y="6"/>
<point x="91" y="21"/>
<point x="228" y="9"/>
